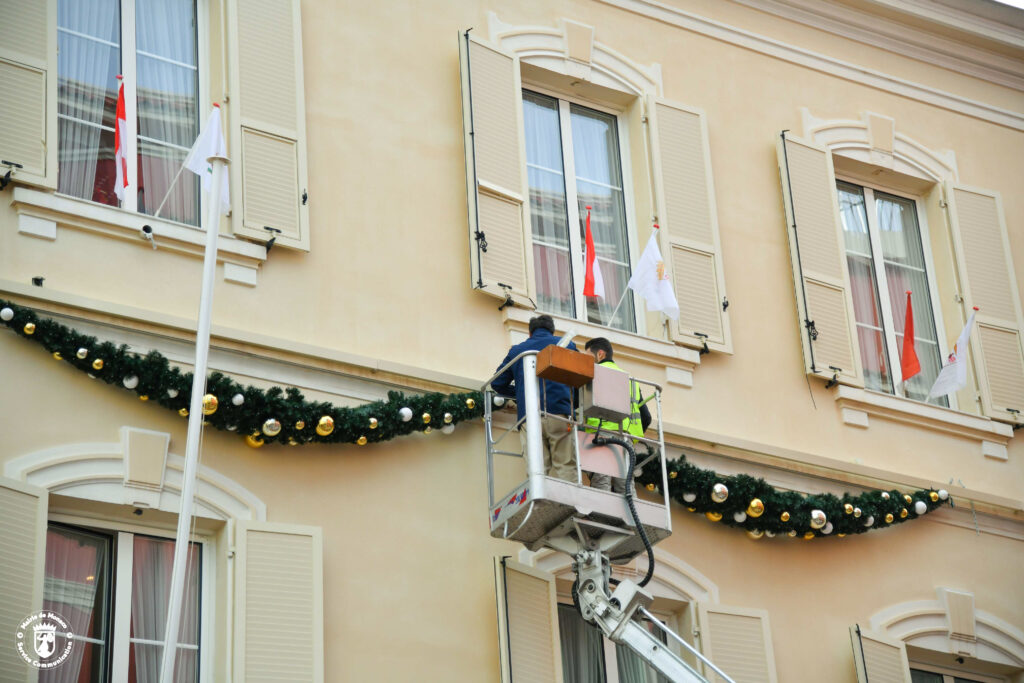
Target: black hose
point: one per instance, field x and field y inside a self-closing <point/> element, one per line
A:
<point x="600" y="440"/>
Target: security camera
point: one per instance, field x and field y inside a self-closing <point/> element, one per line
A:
<point x="147" y="232"/>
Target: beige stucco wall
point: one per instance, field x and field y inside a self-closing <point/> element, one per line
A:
<point x="407" y="559"/>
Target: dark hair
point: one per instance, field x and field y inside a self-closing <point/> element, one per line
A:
<point x="543" y="321"/>
<point x="600" y="344"/>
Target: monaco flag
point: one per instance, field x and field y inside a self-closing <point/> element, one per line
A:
<point x="593" y="283"/>
<point x="953" y="377"/>
<point x="120" y="136"/>
<point x="651" y="282"/>
<point x="210" y="143"/>
<point x="910" y="365"/>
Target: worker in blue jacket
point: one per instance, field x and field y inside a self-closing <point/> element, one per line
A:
<point x="556" y="399"/>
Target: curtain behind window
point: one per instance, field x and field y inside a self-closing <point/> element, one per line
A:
<point x="582" y="648"/>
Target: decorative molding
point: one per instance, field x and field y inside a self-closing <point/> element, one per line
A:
<point x="909" y="41"/>
<point x="819" y="62"/>
<point x="559" y="50"/>
<point x="67" y="212"/>
<point x="991" y="436"/>
<point x="96" y="471"/>
<point x="37" y="227"/>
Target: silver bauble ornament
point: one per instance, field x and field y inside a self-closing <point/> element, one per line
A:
<point x="870" y="521"/>
<point x="827" y="529"/>
<point x="237" y="400"/>
<point x="172" y="393"/>
<point x="499" y="401"/>
<point x="131" y="381"/>
<point x="943" y="494"/>
<point x="689" y="497"/>
<point x="271" y="427"/>
<point x="405" y="414"/>
<point x="885" y="495"/>
<point x="818" y="519"/>
<point x="6" y="314"/>
<point x="719" y="493"/>
<point x="447" y="429"/>
<point x="920" y="507"/>
<point x="739" y="516"/>
<point x="82" y="352"/>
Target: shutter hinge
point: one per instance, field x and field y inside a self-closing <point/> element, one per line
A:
<point x="481" y="240"/>
<point x="273" y="232"/>
<point x="1016" y="416"/>
<point x="835" y="377"/>
<point x="725" y="303"/>
<point x="811" y="329"/>
<point x="305" y="197"/>
<point x="5" y="179"/>
<point x="509" y="301"/>
<point x="704" y="341"/>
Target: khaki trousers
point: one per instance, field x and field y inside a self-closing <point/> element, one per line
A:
<point x="556" y="437"/>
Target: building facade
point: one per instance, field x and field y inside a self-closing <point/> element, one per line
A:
<point x="409" y="185"/>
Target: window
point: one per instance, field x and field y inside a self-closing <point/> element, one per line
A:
<point x="154" y="46"/>
<point x="925" y="673"/>
<point x="573" y="161"/>
<point x="587" y="657"/>
<point x="885" y="256"/>
<point x="112" y="585"/>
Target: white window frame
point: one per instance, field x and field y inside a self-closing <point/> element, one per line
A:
<point x="948" y="675"/>
<point x="576" y="263"/>
<point x="884" y="302"/>
<point x="129" y="70"/>
<point x="122" y="535"/>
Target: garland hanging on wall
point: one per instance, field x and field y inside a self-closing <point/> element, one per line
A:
<point x="279" y="415"/>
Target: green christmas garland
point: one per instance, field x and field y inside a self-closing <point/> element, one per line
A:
<point x="279" y="415"/>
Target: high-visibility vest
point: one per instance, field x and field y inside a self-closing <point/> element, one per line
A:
<point x="632" y="424"/>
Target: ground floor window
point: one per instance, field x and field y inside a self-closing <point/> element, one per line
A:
<point x="588" y="657"/>
<point x="926" y="673"/>
<point x="113" y="587"/>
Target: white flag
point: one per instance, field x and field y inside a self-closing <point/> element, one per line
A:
<point x="953" y="377"/>
<point x="651" y="282"/>
<point x="210" y="143"/>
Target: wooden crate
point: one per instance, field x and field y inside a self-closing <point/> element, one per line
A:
<point x="572" y="368"/>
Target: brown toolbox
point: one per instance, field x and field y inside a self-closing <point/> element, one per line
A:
<point x="565" y="366"/>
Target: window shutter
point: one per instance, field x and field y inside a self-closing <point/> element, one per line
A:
<point x="492" y="115"/>
<point x="28" y="90"/>
<point x="23" y="549"/>
<point x="818" y="257"/>
<point x="685" y="196"/>
<point x="268" y="121"/>
<point x="986" y="271"/>
<point x="527" y="624"/>
<point x="279" y="614"/>
<point x="739" y="642"/>
<point x="879" y="659"/>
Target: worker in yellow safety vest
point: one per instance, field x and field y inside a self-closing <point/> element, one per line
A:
<point x="635" y="424"/>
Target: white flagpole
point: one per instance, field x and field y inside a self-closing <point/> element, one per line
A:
<point x="195" y="423"/>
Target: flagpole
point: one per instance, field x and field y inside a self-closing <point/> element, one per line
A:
<point x="195" y="423"/>
<point x="625" y="291"/>
<point x="169" y="189"/>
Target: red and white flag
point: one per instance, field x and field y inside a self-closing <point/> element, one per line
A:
<point x="953" y="377"/>
<point x="120" y="138"/>
<point x="910" y="365"/>
<point x="593" y="283"/>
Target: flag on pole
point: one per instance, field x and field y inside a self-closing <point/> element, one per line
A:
<point x="209" y="143"/>
<point x="953" y="377"/>
<point x="593" y="283"/>
<point x="651" y="282"/>
<point x="910" y="364"/>
<point x="120" y="138"/>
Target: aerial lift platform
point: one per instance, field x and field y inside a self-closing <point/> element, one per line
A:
<point x="595" y="527"/>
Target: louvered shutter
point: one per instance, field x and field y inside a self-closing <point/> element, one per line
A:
<point x="492" y="113"/>
<point x="28" y="90"/>
<point x="267" y="114"/>
<point x="279" y="614"/>
<point x="527" y="624"/>
<point x="685" y="196"/>
<point x="986" y="271"/>
<point x="739" y="643"/>
<point x="818" y="257"/>
<point x="879" y="659"/>
<point x="23" y="549"/>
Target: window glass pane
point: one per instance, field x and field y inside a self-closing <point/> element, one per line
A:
<point x="76" y="585"/>
<point x="582" y="648"/>
<point x="595" y="148"/>
<point x="88" y="62"/>
<point x="168" y="121"/>
<point x="548" y="218"/>
<point x="631" y="668"/>
<point x="151" y="584"/>
<point x="918" y="676"/>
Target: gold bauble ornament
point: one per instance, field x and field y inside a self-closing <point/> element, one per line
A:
<point x="848" y="509"/>
<point x="300" y="425"/>
<point x="373" y="423"/>
<point x="888" y="518"/>
<point x="885" y="495"/>
<point x="692" y="509"/>
<point x="903" y="513"/>
<point x="791" y="533"/>
<point x="30" y="328"/>
<point x="183" y="412"/>
<point x="713" y="516"/>
<point x="325" y="426"/>
<point x="82" y="353"/>
<point x="428" y="430"/>
<point x="719" y="493"/>
<point x="673" y="474"/>
<point x="292" y="442"/>
<point x="933" y="496"/>
<point x="755" y="533"/>
<point x="756" y="508"/>
<point x="254" y="440"/>
<point x="857" y="512"/>
<point x="650" y="487"/>
<point x="361" y="441"/>
<point x="784" y="516"/>
<point x="97" y="364"/>
<point x="143" y="397"/>
<point x="818" y="519"/>
<point x="426" y="418"/>
<point x="448" y="418"/>
<point x="907" y="498"/>
<point x="271" y="427"/>
<point x="57" y="356"/>
<point x="470" y="403"/>
<point x="841" y="535"/>
<point x="209" y="404"/>
<point x="808" y="535"/>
